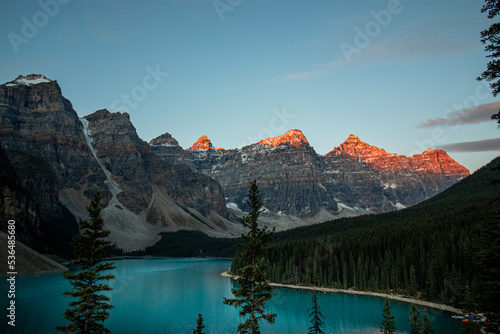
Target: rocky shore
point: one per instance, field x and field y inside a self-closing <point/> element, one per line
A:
<point x="404" y="299"/>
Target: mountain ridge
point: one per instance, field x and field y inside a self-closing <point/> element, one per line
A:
<point x="380" y="159"/>
<point x="395" y="182"/>
<point x="354" y="147"/>
<point x="155" y="187"/>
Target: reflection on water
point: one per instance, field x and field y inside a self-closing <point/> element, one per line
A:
<point x="166" y="295"/>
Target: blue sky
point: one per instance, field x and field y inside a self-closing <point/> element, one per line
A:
<point x="398" y="74"/>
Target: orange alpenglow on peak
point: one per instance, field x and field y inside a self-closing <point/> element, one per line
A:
<point x="203" y="143"/>
<point x="356" y="146"/>
<point x="293" y="138"/>
<point x="434" y="161"/>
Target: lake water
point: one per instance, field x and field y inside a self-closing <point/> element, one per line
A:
<point x="166" y="295"/>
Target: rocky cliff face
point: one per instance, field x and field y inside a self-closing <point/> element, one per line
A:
<point x="403" y="181"/>
<point x="354" y="178"/>
<point x="37" y="129"/>
<point x="16" y="204"/>
<point x="134" y="166"/>
<point x="61" y="161"/>
<point x="286" y="168"/>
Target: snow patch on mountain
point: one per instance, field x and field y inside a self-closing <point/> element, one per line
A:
<point x="31" y="79"/>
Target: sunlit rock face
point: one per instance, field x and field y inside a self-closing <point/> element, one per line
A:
<point x="354" y="178"/>
<point x="432" y="161"/>
<point x="294" y="138"/>
<point x="203" y="144"/>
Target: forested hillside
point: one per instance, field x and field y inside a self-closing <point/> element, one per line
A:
<point x="427" y="250"/>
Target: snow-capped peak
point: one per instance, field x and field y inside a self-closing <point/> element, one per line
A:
<point x="28" y="80"/>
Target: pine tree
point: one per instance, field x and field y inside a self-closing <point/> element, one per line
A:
<point x="89" y="310"/>
<point x="470" y="328"/>
<point x="488" y="261"/>
<point x="316" y="317"/>
<point x="388" y="322"/>
<point x="199" y="325"/>
<point x="254" y="289"/>
<point x="427" y="329"/>
<point x="415" y="323"/>
<point x="491" y="38"/>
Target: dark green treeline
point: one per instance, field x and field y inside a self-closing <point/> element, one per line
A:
<point x="427" y="250"/>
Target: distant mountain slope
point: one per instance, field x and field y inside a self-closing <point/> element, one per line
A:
<point x="28" y="261"/>
<point x="425" y="250"/>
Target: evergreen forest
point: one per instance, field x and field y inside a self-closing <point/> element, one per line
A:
<point x="428" y="251"/>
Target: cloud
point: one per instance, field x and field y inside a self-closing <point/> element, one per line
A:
<point x="473" y="146"/>
<point x="323" y="69"/>
<point x="475" y="115"/>
<point x="305" y="75"/>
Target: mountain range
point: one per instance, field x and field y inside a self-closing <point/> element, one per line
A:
<point x="300" y="185"/>
<point x="53" y="161"/>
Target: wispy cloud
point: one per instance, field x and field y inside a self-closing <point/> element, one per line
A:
<point x="479" y="114"/>
<point x="473" y="146"/>
<point x="305" y="75"/>
<point x="322" y="69"/>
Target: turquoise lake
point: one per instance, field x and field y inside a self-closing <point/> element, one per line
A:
<point x="166" y="295"/>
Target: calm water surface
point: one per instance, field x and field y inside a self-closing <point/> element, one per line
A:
<point x="166" y="295"/>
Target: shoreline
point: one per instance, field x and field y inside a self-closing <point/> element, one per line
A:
<point x="440" y="307"/>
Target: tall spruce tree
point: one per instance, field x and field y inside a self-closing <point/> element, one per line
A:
<point x="426" y="325"/>
<point x="254" y="289"/>
<point x="388" y="322"/>
<point x="199" y="325"/>
<point x="491" y="38"/>
<point x="89" y="310"/>
<point x="316" y="317"/>
<point x="415" y="322"/>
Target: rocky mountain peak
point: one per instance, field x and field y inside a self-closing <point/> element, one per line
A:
<point x="293" y="138"/>
<point x="431" y="161"/>
<point x="355" y="146"/>
<point x="165" y="139"/>
<point x="438" y="161"/>
<point x="353" y="138"/>
<point x="204" y="144"/>
<point x="105" y="114"/>
<point x="28" y="80"/>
